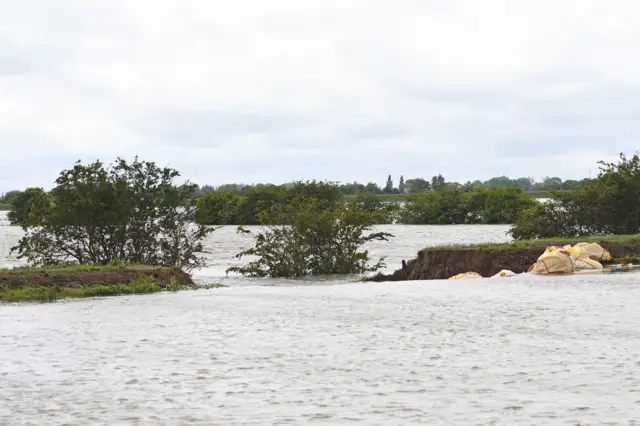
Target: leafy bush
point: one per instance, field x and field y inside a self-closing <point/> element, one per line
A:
<point x="131" y="212"/>
<point x="384" y="212"/>
<point x="218" y="208"/>
<point x="610" y="204"/>
<point x="308" y="236"/>
<point x="448" y="206"/>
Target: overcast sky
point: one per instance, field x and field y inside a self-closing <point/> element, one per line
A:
<point x="271" y="91"/>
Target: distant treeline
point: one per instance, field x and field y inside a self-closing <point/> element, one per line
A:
<point x="446" y="205"/>
<point x="607" y="204"/>
<point x="410" y="186"/>
<point x="416" y="185"/>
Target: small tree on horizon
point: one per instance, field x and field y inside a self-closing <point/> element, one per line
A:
<point x="388" y="188"/>
<point x="438" y="182"/>
<point x="401" y="188"/>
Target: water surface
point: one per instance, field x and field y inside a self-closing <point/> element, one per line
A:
<point x="507" y="351"/>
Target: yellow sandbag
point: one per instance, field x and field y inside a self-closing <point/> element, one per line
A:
<point x="595" y="251"/>
<point x="547" y="252"/>
<point x="576" y="252"/>
<point x="466" y="275"/>
<point x="588" y="264"/>
<point x="554" y="262"/>
<point x="505" y="273"/>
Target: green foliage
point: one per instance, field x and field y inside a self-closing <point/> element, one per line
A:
<point x="413" y="186"/>
<point x="30" y="207"/>
<point x="456" y="206"/>
<point x="388" y="187"/>
<point x="132" y="212"/>
<point x="225" y="208"/>
<point x="308" y="236"/>
<point x="218" y="208"/>
<point x="382" y="211"/>
<point x="142" y="285"/>
<point x="447" y="206"/>
<point x="437" y="182"/>
<point x="610" y="204"/>
<point x="493" y="206"/>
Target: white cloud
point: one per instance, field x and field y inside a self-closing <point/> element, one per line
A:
<point x="250" y="91"/>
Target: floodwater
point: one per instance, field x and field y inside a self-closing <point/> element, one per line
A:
<point x="522" y="350"/>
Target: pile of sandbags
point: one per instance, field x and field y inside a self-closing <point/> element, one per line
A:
<point x="595" y="251"/>
<point x="582" y="253"/>
<point x="554" y="260"/>
<point x="569" y="258"/>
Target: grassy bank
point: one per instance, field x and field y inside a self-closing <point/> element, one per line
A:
<point x="77" y="268"/>
<point x="523" y="244"/>
<point x="5" y="207"/>
<point x="39" y="293"/>
<point x="50" y="283"/>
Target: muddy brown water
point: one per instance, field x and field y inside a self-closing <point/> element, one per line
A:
<point x="515" y="351"/>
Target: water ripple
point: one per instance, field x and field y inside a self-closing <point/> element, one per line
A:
<point x="519" y="350"/>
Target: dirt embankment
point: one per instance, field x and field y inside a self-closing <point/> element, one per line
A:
<point x="79" y="279"/>
<point x="435" y="264"/>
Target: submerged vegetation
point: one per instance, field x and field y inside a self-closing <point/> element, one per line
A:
<point x="610" y="204"/>
<point x="134" y="213"/>
<point x="130" y="212"/>
<point x="308" y="236"/>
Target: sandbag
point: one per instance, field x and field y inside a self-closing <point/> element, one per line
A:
<point x="465" y="275"/>
<point x="595" y="251"/>
<point x="588" y="263"/>
<point x="549" y="251"/>
<point x="505" y="273"/>
<point x="576" y="252"/>
<point x="554" y="260"/>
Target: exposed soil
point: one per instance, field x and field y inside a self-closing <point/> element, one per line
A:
<point x="443" y="264"/>
<point x="81" y="279"/>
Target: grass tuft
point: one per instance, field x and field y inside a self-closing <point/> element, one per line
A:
<point x="35" y="293"/>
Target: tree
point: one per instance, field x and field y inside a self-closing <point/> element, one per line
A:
<point x="437" y="182"/>
<point x="401" y="188"/>
<point x="327" y="191"/>
<point x="28" y="208"/>
<point x="382" y="211"/>
<point x="498" y="205"/>
<point x="131" y="212"/>
<point x="258" y="199"/>
<point x="610" y="204"/>
<point x="388" y="188"/>
<point x="307" y="237"/>
<point x="6" y="198"/>
<point x="218" y="208"/>
<point x="372" y="187"/>
<point x="552" y="183"/>
<point x="413" y="186"/>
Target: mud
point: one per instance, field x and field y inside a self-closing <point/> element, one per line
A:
<point x="442" y="264"/>
<point x="82" y="279"/>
